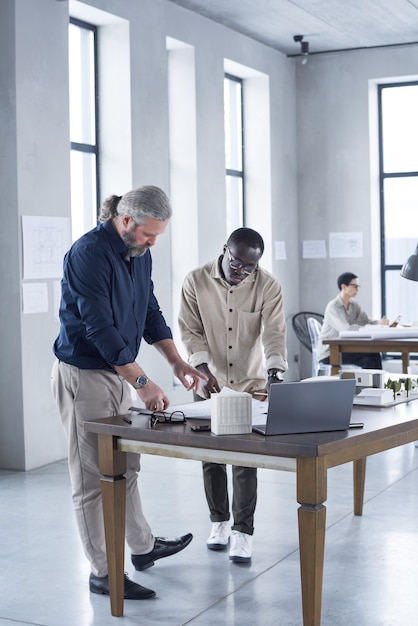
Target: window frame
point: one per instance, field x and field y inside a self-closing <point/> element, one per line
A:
<point x="234" y="172"/>
<point x="86" y="148"/>
<point x="386" y="267"/>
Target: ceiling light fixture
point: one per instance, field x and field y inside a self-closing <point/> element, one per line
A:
<point x="304" y="48"/>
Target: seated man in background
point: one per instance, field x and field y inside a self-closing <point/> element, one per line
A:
<point x="343" y="313"/>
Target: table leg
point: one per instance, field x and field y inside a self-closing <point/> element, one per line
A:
<point x="335" y="359"/>
<point x="405" y="362"/>
<point x="311" y="477"/>
<point x="359" y="477"/>
<point x="112" y="465"/>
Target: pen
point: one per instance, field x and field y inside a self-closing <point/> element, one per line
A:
<point x="264" y="394"/>
<point x="142" y="411"/>
<point x="127" y="420"/>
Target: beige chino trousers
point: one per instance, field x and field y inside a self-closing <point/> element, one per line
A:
<point x="83" y="395"/>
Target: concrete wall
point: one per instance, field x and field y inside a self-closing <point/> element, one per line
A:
<point x="337" y="165"/>
<point x="322" y="172"/>
<point x="34" y="181"/>
<point x="35" y="174"/>
<point x="12" y="444"/>
<point x="337" y="160"/>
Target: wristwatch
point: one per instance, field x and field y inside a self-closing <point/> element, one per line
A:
<point x="277" y="374"/>
<point x="140" y="382"/>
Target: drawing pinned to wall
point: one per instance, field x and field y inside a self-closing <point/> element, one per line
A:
<point x="314" y="249"/>
<point x="345" y="245"/>
<point x="280" y="251"/>
<point x="45" y="242"/>
<point x="34" y="298"/>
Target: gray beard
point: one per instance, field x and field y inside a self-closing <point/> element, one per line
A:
<point x="137" y="250"/>
<point x="133" y="249"/>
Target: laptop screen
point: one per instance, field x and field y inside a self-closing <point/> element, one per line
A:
<point x="311" y="406"/>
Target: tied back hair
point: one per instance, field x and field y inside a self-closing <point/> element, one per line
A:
<point x="140" y="204"/>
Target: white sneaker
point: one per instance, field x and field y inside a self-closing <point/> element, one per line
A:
<point x="241" y="547"/>
<point x="219" y="536"/>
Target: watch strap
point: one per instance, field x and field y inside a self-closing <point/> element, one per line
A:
<point x="274" y="373"/>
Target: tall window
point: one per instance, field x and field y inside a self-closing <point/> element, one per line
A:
<point x="234" y="152"/>
<point x="398" y="135"/>
<point x="83" y="126"/>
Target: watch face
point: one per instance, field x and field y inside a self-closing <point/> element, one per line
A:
<point x="141" y="382"/>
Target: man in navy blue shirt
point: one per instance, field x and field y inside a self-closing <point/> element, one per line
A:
<point x="107" y="306"/>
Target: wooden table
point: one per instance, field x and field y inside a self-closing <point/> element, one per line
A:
<point x="311" y="455"/>
<point x="337" y="346"/>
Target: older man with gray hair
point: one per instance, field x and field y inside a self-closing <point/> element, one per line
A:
<point x="107" y="306"/>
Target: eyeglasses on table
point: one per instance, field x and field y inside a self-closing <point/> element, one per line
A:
<point x="161" y="417"/>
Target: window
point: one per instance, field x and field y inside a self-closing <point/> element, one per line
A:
<point x="398" y="139"/>
<point x="83" y="128"/>
<point x="234" y="152"/>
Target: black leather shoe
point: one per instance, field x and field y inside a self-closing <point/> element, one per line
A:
<point x="162" y="547"/>
<point x="132" y="591"/>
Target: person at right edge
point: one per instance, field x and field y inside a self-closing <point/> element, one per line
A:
<point x="229" y="308"/>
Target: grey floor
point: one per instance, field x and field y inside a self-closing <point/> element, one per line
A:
<point x="370" y="577"/>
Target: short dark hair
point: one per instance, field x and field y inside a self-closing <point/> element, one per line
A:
<point x="248" y="236"/>
<point x="345" y="279"/>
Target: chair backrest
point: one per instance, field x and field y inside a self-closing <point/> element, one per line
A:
<point x="314" y="328"/>
<point x="300" y="326"/>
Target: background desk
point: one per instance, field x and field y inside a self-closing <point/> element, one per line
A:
<point x="337" y="346"/>
<point x="310" y="454"/>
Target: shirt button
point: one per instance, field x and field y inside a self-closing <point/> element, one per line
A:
<point x="230" y="310"/>
<point x="229" y="328"/>
<point x="230" y="365"/>
<point x="232" y="382"/>
<point x="230" y="347"/>
<point x="231" y="291"/>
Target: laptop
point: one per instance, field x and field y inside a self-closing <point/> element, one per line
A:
<point x="308" y="407"/>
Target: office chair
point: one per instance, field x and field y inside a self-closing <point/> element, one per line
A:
<point x="300" y="326"/>
<point x="314" y="328"/>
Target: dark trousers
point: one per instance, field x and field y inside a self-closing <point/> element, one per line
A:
<point x="244" y="498"/>
<point x="366" y="360"/>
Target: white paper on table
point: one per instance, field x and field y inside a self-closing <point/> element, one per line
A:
<point x="202" y="410"/>
<point x="377" y="331"/>
<point x="259" y="412"/>
<point x="196" y="410"/>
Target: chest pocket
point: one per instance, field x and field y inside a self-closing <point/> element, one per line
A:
<point x="249" y="327"/>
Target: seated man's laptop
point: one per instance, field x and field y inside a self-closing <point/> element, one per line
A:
<point x="308" y="407"/>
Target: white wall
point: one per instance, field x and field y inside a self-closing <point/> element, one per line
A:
<point x="11" y="396"/>
<point x="335" y="185"/>
<point x="337" y="175"/>
<point x="319" y="154"/>
<point x="35" y="177"/>
<point x="34" y="181"/>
